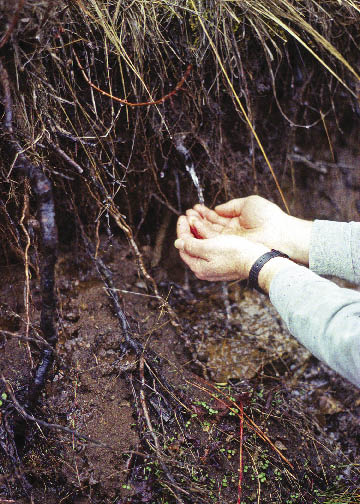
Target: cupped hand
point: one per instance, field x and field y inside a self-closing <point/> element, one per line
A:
<point x="255" y="219"/>
<point x="221" y="257"/>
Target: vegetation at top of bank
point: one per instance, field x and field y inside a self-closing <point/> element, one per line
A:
<point x="263" y="76"/>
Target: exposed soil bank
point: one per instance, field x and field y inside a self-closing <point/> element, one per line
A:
<point x="305" y="447"/>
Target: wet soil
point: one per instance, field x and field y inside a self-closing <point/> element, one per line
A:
<point x="301" y="434"/>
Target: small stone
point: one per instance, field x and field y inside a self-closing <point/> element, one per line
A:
<point x="72" y="316"/>
<point x="140" y="284"/>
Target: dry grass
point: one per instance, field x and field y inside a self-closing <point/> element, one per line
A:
<point x="138" y="51"/>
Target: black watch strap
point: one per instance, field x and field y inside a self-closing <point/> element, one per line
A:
<point x="258" y="264"/>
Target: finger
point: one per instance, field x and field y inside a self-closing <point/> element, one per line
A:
<point x="199" y="208"/>
<point x="183" y="227"/>
<point x="208" y="214"/>
<point x="203" y="229"/>
<point x="212" y="216"/>
<point x="193" y="213"/>
<point x="231" y="208"/>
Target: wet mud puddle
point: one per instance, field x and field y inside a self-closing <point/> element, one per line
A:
<point x="239" y="335"/>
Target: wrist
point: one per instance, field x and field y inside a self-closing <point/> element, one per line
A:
<point x="257" y="251"/>
<point x="258" y="266"/>
<point x="270" y="270"/>
<point x="297" y="239"/>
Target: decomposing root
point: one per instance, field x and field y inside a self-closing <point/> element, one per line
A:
<point x="131" y="104"/>
<point x="41" y="186"/>
<point x="160" y="238"/>
<point x="106" y="275"/>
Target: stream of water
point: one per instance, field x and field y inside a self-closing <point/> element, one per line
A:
<point x="190" y="167"/>
<point x="191" y="170"/>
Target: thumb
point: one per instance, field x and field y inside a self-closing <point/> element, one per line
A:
<point x="179" y="244"/>
<point x="191" y="246"/>
<point x="231" y="208"/>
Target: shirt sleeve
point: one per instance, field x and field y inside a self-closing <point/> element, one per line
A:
<point x="324" y="317"/>
<point x="335" y="249"/>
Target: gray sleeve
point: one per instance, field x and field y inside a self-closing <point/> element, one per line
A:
<point x="335" y="249"/>
<point x="323" y="317"/>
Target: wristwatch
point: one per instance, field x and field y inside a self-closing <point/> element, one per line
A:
<point x="258" y="264"/>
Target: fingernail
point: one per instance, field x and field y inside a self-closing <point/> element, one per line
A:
<point x="179" y="244"/>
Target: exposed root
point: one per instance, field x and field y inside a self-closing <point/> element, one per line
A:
<point x="160" y="238"/>
<point x="41" y="186"/>
<point x="126" y="102"/>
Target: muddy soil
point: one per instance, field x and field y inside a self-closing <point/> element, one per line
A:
<point x="301" y="434"/>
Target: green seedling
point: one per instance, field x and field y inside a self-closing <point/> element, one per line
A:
<point x="3" y="398"/>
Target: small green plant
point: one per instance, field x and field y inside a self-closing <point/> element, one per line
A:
<point x="278" y="474"/>
<point x="230" y="453"/>
<point x="205" y="405"/>
<point x="262" y="477"/>
<point x="264" y="462"/>
<point x="293" y="498"/>
<point x="3" y="398"/>
<point x="261" y="393"/>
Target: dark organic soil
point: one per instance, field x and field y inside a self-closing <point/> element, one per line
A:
<point x="306" y="445"/>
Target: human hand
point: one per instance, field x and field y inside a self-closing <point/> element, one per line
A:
<point x="255" y="219"/>
<point x="221" y="257"/>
